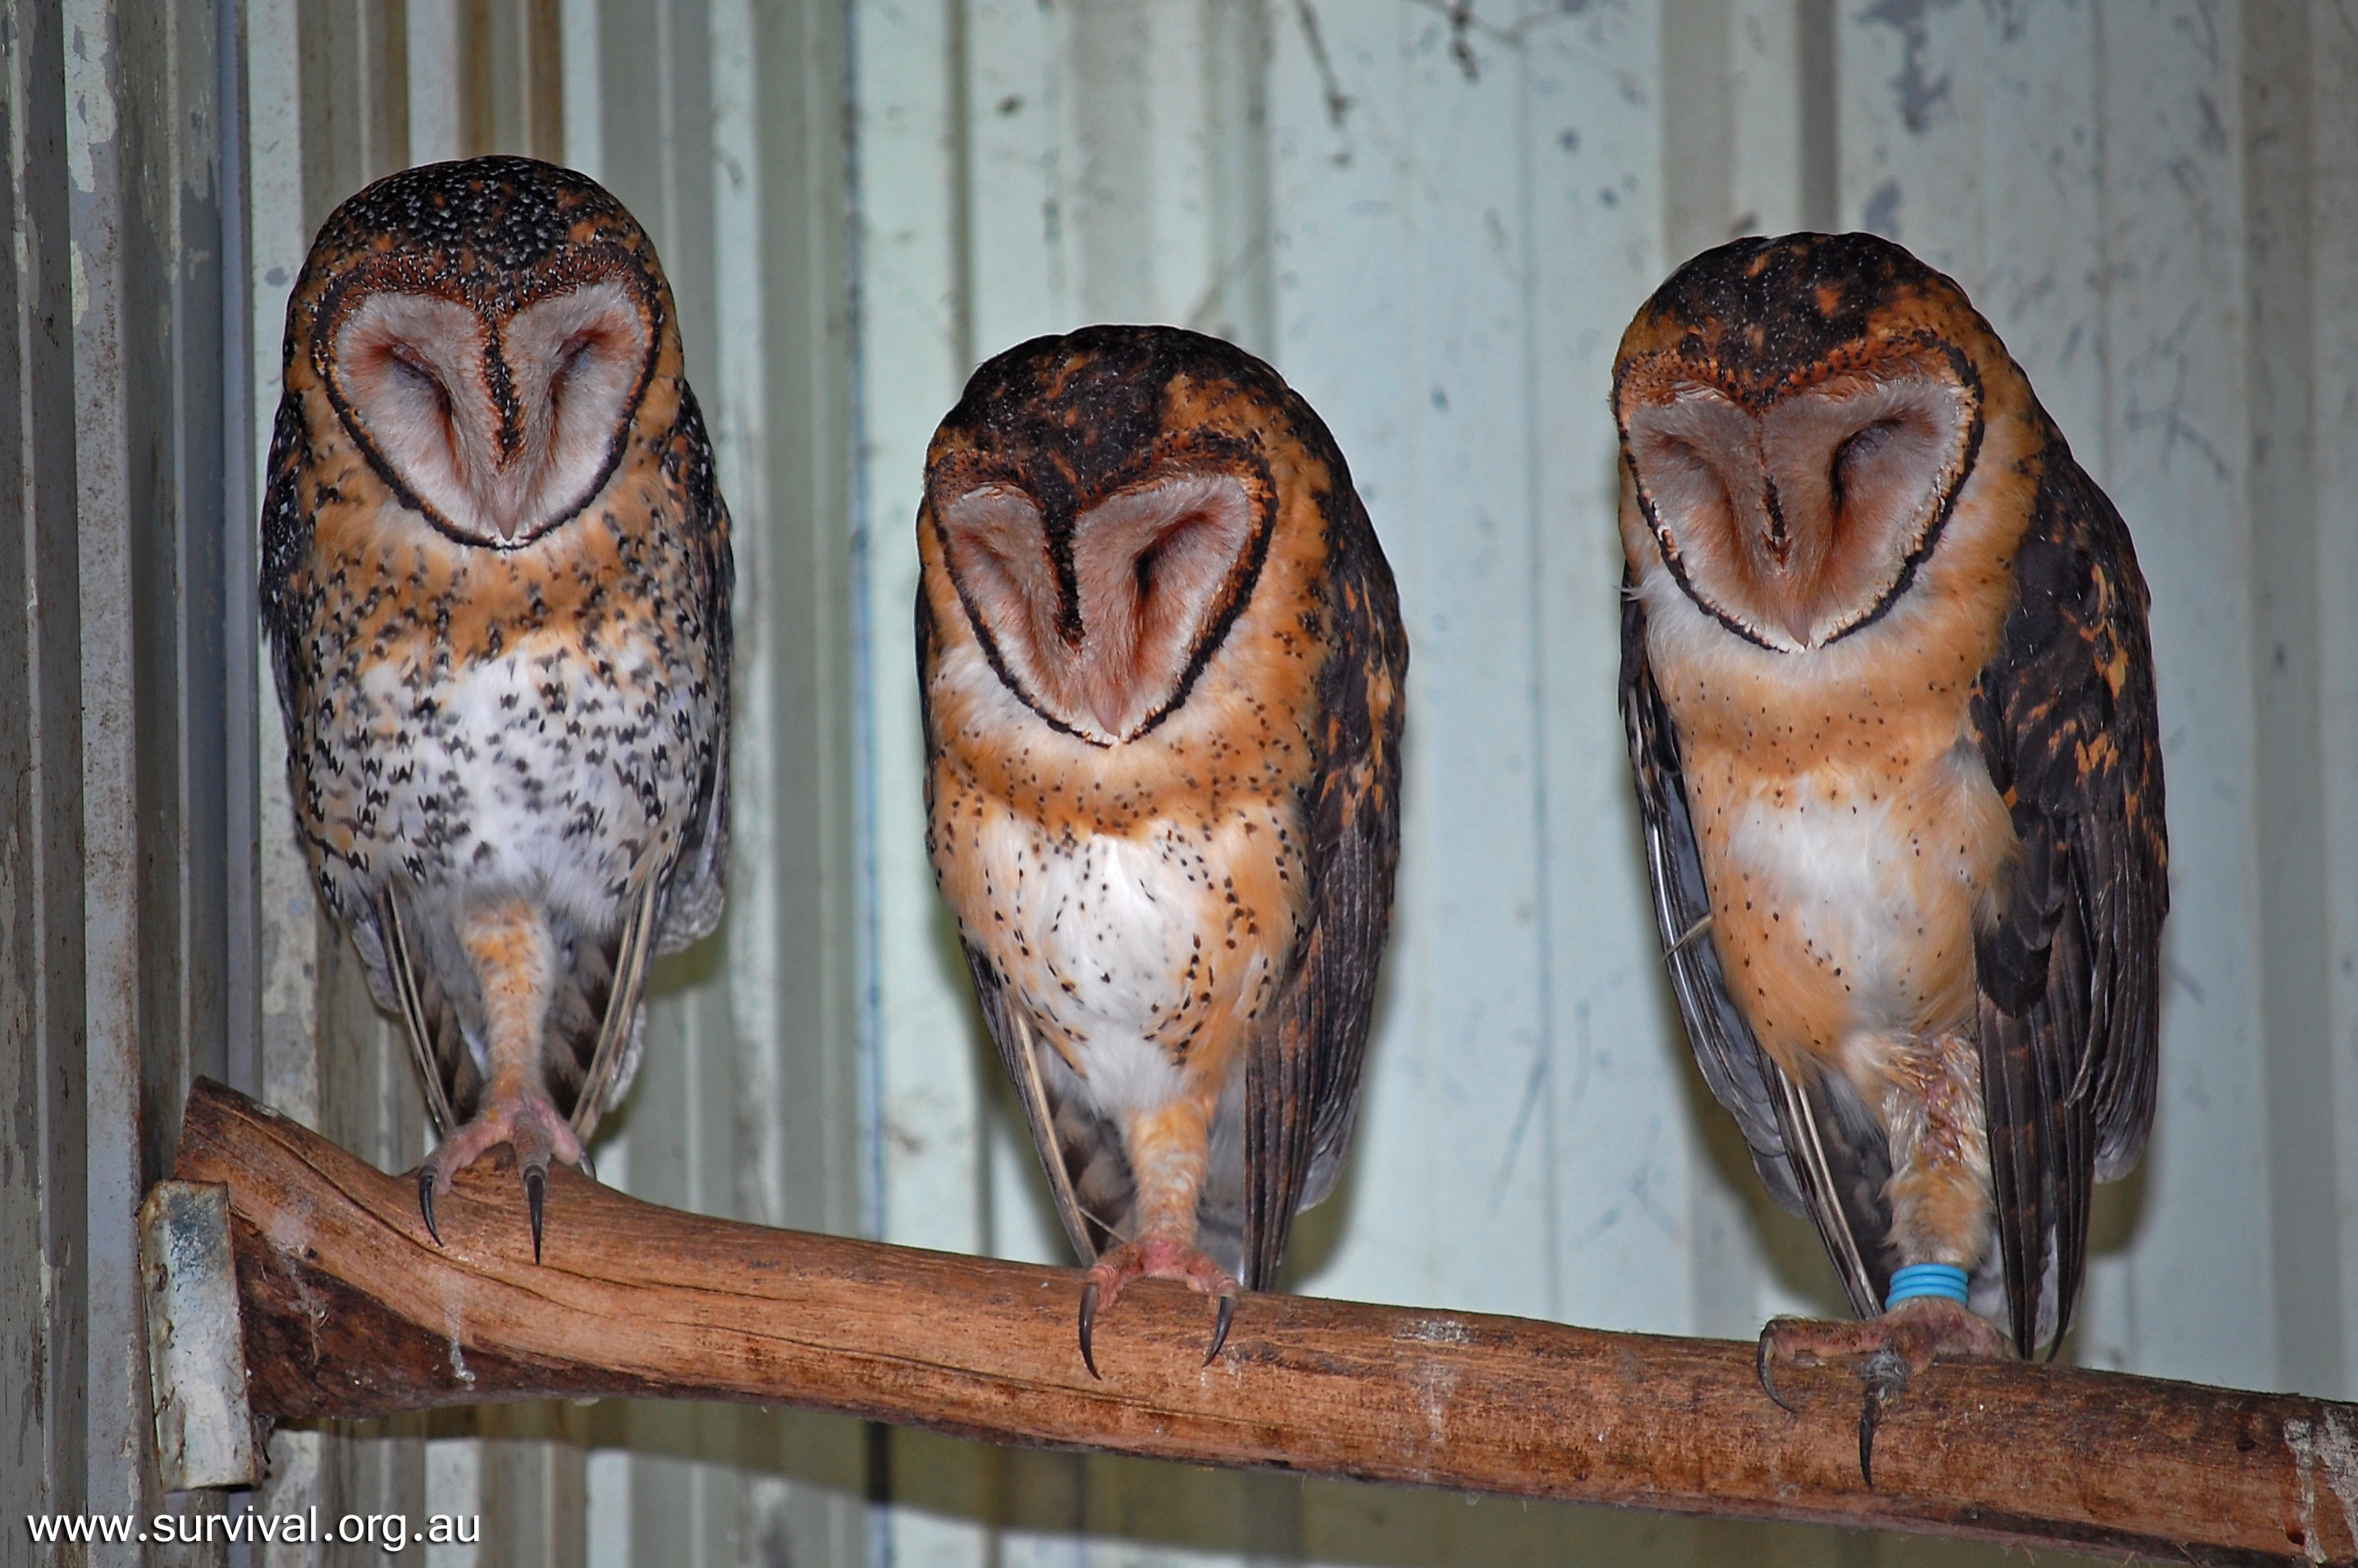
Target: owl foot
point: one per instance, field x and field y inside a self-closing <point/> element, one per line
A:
<point x="1157" y="1258"/>
<point x="1892" y="1349"/>
<point x="528" y="1123"/>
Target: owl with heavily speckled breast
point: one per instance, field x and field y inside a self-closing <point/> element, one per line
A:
<point x="496" y="576"/>
<point x="1890" y="706"/>
<point x="1162" y="664"/>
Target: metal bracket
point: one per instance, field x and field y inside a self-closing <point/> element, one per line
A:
<point x="196" y="1340"/>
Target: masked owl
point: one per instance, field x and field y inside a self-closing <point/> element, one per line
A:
<point x="496" y="576"/>
<point x="1162" y="664"/>
<point x="1890" y="708"/>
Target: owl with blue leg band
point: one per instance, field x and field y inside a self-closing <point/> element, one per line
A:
<point x="1889" y="697"/>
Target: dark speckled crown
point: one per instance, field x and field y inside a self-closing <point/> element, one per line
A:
<point x="1768" y="313"/>
<point x="481" y="216"/>
<point x="498" y="232"/>
<point x="1094" y="401"/>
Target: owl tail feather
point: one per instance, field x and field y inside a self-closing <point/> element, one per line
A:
<point x="437" y="1044"/>
<point x="614" y="1060"/>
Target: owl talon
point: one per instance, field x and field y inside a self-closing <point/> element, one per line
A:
<point x="1764" y="1364"/>
<point x="1088" y="1320"/>
<point x="1154" y="1258"/>
<point x="536" y="1199"/>
<point x="1220" y="1329"/>
<point x="530" y="1126"/>
<point x="1886" y="1374"/>
<point x="1890" y="1350"/>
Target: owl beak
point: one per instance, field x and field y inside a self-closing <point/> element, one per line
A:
<point x="1111" y="714"/>
<point x="1798" y="623"/>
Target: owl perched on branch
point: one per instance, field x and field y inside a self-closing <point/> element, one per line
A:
<point x="1162" y="662"/>
<point x="496" y="578"/>
<point x="1890" y="707"/>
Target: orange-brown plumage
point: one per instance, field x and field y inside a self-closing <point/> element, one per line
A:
<point x="1891" y="714"/>
<point x="1161" y="661"/>
<point x="1863" y="727"/>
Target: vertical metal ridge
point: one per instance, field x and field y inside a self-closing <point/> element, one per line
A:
<point x="2281" y="356"/>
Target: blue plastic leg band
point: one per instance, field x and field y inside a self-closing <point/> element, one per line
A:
<point x="1921" y="1280"/>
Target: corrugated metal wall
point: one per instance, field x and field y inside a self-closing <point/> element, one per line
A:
<point x="117" y="971"/>
<point x="1436" y="218"/>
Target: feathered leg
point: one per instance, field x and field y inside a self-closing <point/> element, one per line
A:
<point x="1940" y="1196"/>
<point x="1169" y="1149"/>
<point x="515" y="963"/>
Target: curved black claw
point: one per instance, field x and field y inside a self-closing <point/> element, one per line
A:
<point x="536" y="1198"/>
<point x="1089" y="1319"/>
<point x="1884" y="1373"/>
<point x="1220" y="1329"/>
<point x="1761" y="1362"/>
<point x="425" y="1202"/>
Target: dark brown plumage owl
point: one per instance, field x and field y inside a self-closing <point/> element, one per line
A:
<point x="497" y="578"/>
<point x="1162" y="662"/>
<point x="1890" y="707"/>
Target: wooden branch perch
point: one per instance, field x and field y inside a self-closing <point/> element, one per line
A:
<point x="350" y="1310"/>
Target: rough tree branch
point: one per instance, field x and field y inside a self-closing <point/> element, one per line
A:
<point x="349" y="1310"/>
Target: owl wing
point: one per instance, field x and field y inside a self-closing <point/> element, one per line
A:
<point x="1815" y="1145"/>
<point x="447" y="1069"/>
<point x="676" y="907"/>
<point x="286" y="536"/>
<point x="693" y="891"/>
<point x="2069" y="974"/>
<point x="286" y="546"/>
<point x="437" y="1044"/>
<point x="1301" y="1077"/>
